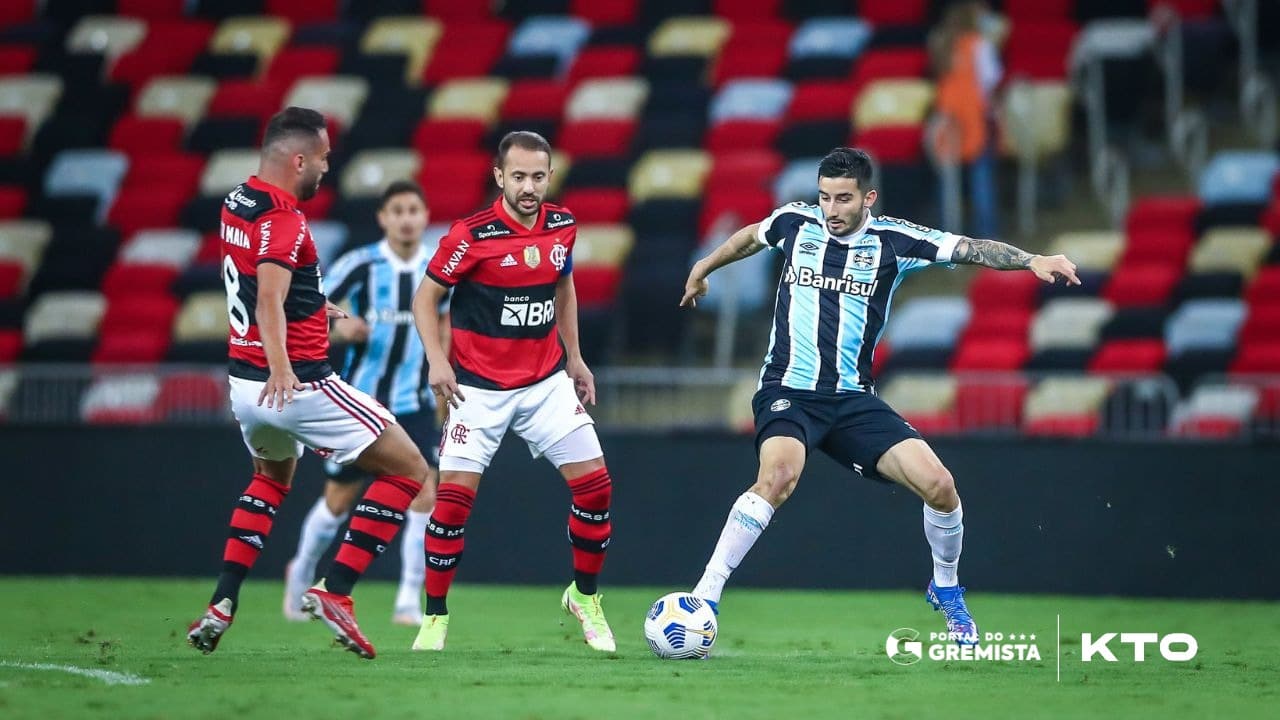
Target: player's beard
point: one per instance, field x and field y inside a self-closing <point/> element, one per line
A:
<point x="514" y="202"/>
<point x="309" y="187"/>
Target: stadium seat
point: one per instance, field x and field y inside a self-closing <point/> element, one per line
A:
<point x="1128" y="356"/>
<point x="1119" y="38"/>
<point x="169" y="49"/>
<point x="596" y="138"/>
<point x="87" y="172"/>
<point x="192" y="396"/>
<point x="1203" y="325"/>
<point x="64" y="315"/>
<point x="755" y="135"/>
<point x="13" y="135"/>
<point x="261" y="37"/>
<point x="303" y="11"/>
<point x="10" y="348"/>
<point x="892" y="102"/>
<point x="927" y="322"/>
<point x="1089" y="250"/>
<point x="990" y="404"/>
<point x="1260" y="357"/>
<point x="756" y="48"/>
<point x="1038" y="49"/>
<point x="477" y="99"/>
<point x="13" y="202"/>
<point x="925" y="400"/>
<point x="146" y="208"/>
<point x="1214" y="411"/>
<point x="602" y="244"/>
<point x="1047" y="109"/>
<point x="17" y="59"/>
<point x="691" y="35"/>
<point x="413" y="37"/>
<point x="1038" y="9"/>
<point x="825" y="38"/>
<point x="1238" y="177"/>
<point x="1067" y="406"/>
<point x="175" y="248"/>
<point x="448" y="135"/>
<point x="135" y="136"/>
<point x="1141" y="284"/>
<point x="295" y="62"/>
<point x="998" y="323"/>
<point x="1265" y="288"/>
<point x="22" y="242"/>
<point x="596" y="205"/>
<point x="226" y="169"/>
<point x="821" y="100"/>
<point x="978" y="353"/>
<point x="995" y="289"/>
<point x="370" y="171"/>
<point x="608" y="98"/>
<point x="603" y="61"/>
<point x="888" y="63"/>
<point x="750" y="100"/>
<point x="121" y="399"/>
<point x="203" y="317"/>
<point x="558" y="36"/>
<point x="109" y="36"/>
<point x="1238" y="250"/>
<point x="1069" y="323"/>
<point x="466" y="50"/>
<point x="339" y="97"/>
<point x="33" y="97"/>
<point x="184" y="98"/>
<point x="126" y="279"/>
<point x="668" y="174"/>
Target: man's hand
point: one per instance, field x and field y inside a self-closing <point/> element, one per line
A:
<point x="1050" y="267"/>
<point x="278" y="390"/>
<point x="695" y="287"/>
<point x="444" y="383"/>
<point x="583" y="381"/>
<point x="333" y="311"/>
<point x="351" y="330"/>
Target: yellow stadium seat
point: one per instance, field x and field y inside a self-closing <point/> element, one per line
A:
<point x="339" y="97"/>
<point x="24" y="241"/>
<point x="370" y="171"/>
<point x="202" y="317"/>
<point x="1231" y="249"/>
<point x="893" y="102"/>
<point x="668" y="174"/>
<point x="1097" y="250"/>
<point x="412" y="36"/>
<point x="608" y="98"/>
<point x="251" y="35"/>
<point x="226" y="169"/>
<point x="66" y="315"/>
<point x="920" y="393"/>
<point x="701" y="35"/>
<point x="1069" y="323"/>
<point x="1073" y="395"/>
<point x="106" y="35"/>
<point x="600" y="244"/>
<point x="561" y="165"/>
<point x="471" y="98"/>
<point x="182" y="97"/>
<point x="1046" y="108"/>
<point x="31" y="96"/>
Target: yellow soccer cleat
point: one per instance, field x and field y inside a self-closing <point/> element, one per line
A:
<point x="432" y="633"/>
<point x="595" y="629"/>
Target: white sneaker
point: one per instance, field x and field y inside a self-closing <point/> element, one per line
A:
<point x="294" y="586"/>
<point x="409" y="616"/>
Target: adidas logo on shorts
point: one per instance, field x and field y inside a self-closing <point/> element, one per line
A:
<point x="508" y="261"/>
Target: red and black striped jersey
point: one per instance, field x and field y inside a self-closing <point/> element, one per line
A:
<point x="504" y="277"/>
<point x="261" y="223"/>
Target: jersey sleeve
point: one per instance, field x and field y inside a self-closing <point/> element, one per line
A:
<point x="571" y="241"/>
<point x="455" y="257"/>
<point x="279" y="237"/>
<point x="779" y="230"/>
<point x="347" y="275"/>
<point x="918" y="246"/>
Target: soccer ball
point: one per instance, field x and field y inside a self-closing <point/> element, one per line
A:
<point x="680" y="626"/>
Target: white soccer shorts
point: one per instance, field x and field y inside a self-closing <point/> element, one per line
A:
<point x="329" y="416"/>
<point x="541" y="414"/>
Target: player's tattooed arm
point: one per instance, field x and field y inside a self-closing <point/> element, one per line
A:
<point x="1002" y="256"/>
<point x="740" y="245"/>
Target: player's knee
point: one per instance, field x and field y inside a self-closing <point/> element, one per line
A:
<point x="939" y="489"/>
<point x="777" y="481"/>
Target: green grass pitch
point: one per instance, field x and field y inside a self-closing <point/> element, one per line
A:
<point x="513" y="654"/>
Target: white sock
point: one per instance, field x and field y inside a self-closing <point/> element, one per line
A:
<point x="748" y="518"/>
<point x="945" y="533"/>
<point x="413" y="560"/>
<point x="317" y="533"/>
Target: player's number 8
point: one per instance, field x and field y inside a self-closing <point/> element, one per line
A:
<point x="236" y="310"/>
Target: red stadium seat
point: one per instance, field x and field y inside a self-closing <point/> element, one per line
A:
<point x="897" y="144"/>
<point x="1039" y="9"/>
<point x="742" y="135"/>
<point x="247" y="98"/>
<point x="1261" y="325"/>
<point x="1258" y="357"/>
<point x="13" y="201"/>
<point x="888" y="63"/>
<point x="10" y="345"/>
<point x="11" y="275"/>
<point x="132" y="346"/>
<point x="746" y="205"/>
<point x="1156" y="245"/>
<point x="1163" y="211"/>
<point x="136" y="136"/>
<point x="604" y="61"/>
<point x="454" y="10"/>
<point x="999" y="322"/>
<point x="174" y="171"/>
<point x="535" y="99"/>
<point x="292" y="63"/>
<point x="744" y="169"/>
<point x="596" y="205"/>
<point x="1271" y="219"/>
<point x="1208" y="426"/>
<point x="467" y="49"/>
<point x="996" y="289"/>
<point x="604" y="12"/>
<point x="899" y="12"/>
<point x="1141" y="285"/>
<point x="128" y="280"/>
<point x="432" y="136"/>
<point x="13" y="12"/>
<point x="1189" y="9"/>
<point x="754" y="49"/>
<point x="746" y="9"/>
<point x="1062" y="425"/>
<point x="455" y="182"/>
<point x="17" y="59"/>
<point x="168" y="49"/>
<point x="597" y="286"/>
<point x="821" y="100"/>
<point x="596" y="138"/>
<point x="1265" y="288"/>
<point x="1123" y="356"/>
<point x="152" y="9"/>
<point x="989" y="404"/>
<point x="929" y="424"/>
<point x="453" y="203"/>
<point x="991" y="354"/>
<point x="148" y="311"/>
<point x="1039" y="49"/>
<point x="191" y="394"/>
<point x="13" y="134"/>
<point x="150" y="207"/>
<point x="301" y="12"/>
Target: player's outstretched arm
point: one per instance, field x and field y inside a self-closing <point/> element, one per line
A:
<point x="742" y="244"/>
<point x="1002" y="256"/>
<point x="426" y="316"/>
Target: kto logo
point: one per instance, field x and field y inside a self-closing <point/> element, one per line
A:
<point x="1186" y="644"/>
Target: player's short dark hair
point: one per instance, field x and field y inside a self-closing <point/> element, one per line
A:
<point x="846" y="162"/>
<point x="293" y="122"/>
<point x="400" y="187"/>
<point x="525" y="139"/>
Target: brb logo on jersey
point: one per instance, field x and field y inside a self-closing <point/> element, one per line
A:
<point x="517" y="311"/>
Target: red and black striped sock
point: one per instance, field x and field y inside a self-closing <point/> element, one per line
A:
<point x="589" y="526"/>
<point x="374" y="522"/>
<point x="444" y="542"/>
<point x="250" y="525"/>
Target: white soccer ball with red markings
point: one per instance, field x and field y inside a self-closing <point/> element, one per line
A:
<point x="680" y="626"/>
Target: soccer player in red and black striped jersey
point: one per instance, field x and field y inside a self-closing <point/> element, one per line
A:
<point x="283" y="392"/>
<point x="514" y="363"/>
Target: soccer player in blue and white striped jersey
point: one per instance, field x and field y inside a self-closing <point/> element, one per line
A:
<point x="387" y="361"/>
<point x="841" y="268"/>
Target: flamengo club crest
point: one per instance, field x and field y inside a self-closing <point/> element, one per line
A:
<point x="532" y="256"/>
<point x="559" y="254"/>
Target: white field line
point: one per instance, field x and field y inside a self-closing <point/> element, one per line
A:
<point x="107" y="676"/>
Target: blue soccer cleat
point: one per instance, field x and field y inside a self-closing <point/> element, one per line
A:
<point x="950" y="602"/>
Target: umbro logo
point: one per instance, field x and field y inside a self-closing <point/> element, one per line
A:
<point x="509" y="260"/>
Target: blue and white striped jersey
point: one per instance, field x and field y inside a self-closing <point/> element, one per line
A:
<point x="834" y="293"/>
<point x="391" y="366"/>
